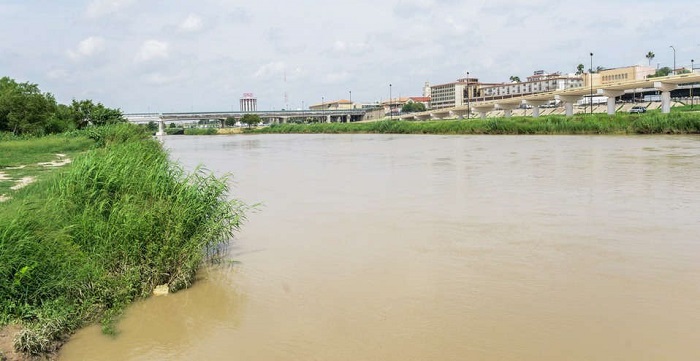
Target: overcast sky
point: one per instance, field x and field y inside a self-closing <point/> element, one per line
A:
<point x="165" y="56"/>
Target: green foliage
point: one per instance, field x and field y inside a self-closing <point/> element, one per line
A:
<point x="647" y="123"/>
<point x="650" y="56"/>
<point x="251" y="119"/>
<point x="152" y="126"/>
<point x="665" y="71"/>
<point x="579" y="69"/>
<point x="412" y="107"/>
<point x="230" y="122"/>
<point x="18" y="152"/>
<point x="200" y="131"/>
<point x="95" y="236"/>
<point x="24" y="109"/>
<point x="515" y="79"/>
<point x="174" y="131"/>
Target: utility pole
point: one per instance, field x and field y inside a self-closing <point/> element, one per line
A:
<point x="591" y="76"/>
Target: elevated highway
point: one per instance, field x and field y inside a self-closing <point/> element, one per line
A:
<point x="280" y="116"/>
<point x="568" y="97"/>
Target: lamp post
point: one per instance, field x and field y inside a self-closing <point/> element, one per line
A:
<point x="323" y="110"/>
<point x="692" y="70"/>
<point x="674" y="59"/>
<point x="469" y="111"/>
<point x="350" y="91"/>
<point x="591" y="79"/>
<point x="391" y="111"/>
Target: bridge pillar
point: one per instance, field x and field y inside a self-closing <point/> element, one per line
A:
<point x="536" y="104"/>
<point x="611" y="94"/>
<point x="665" y="89"/>
<point x="508" y="108"/>
<point x="483" y="110"/>
<point x="569" y="101"/>
<point x="161" y="127"/>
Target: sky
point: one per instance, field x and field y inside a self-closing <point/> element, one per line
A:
<point x="181" y="56"/>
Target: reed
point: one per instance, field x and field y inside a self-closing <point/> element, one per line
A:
<point x="200" y="131"/>
<point x="648" y="123"/>
<point x="90" y="239"/>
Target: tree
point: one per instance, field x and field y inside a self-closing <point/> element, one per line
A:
<point x="412" y="107"/>
<point x="230" y="121"/>
<point x="665" y="71"/>
<point x="85" y="112"/>
<point x="579" y="69"/>
<point x="650" y="56"/>
<point x="23" y="107"/>
<point x="515" y="79"/>
<point x="152" y="126"/>
<point x="251" y="119"/>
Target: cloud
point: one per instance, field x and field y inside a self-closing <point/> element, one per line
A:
<point x="270" y="70"/>
<point x="99" y="8"/>
<point x="338" y="77"/>
<point x="158" y="78"/>
<point x="191" y="24"/>
<point x="87" y="48"/>
<point x="352" y="48"/>
<point x="57" y="74"/>
<point x="152" y="49"/>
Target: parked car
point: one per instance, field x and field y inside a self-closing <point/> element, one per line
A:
<point x="638" y="109"/>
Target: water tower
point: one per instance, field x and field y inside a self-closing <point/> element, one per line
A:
<point x="249" y="103"/>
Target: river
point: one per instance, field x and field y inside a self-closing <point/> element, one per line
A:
<point x="385" y="247"/>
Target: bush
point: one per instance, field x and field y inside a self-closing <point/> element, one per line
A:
<point x="95" y="236"/>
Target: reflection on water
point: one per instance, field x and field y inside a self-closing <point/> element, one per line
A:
<point x="376" y="247"/>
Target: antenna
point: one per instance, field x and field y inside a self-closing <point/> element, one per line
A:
<point x="286" y="98"/>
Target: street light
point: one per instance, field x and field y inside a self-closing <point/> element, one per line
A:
<point x="391" y="111"/>
<point x="674" y="60"/>
<point x="468" y="105"/>
<point x="323" y="110"/>
<point x="591" y="79"/>
<point x="692" y="70"/>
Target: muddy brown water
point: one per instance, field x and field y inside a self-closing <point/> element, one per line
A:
<point x="382" y="247"/>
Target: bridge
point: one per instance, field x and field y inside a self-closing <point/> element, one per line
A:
<point x="274" y="116"/>
<point x="569" y="97"/>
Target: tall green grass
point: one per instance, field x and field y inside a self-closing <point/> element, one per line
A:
<point x="200" y="131"/>
<point x="649" y="123"/>
<point x="119" y="221"/>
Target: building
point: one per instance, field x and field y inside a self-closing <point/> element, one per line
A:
<point x="453" y="94"/>
<point x="249" y="103"/>
<point x="618" y="75"/>
<point x="537" y="83"/>
<point x="341" y="104"/>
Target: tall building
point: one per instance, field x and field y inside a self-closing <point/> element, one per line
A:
<point x="453" y="94"/>
<point x="249" y="103"/>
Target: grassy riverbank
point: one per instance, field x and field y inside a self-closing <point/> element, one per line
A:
<point x="648" y="123"/>
<point x="93" y="236"/>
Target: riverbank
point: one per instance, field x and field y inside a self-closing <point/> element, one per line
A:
<point x="647" y="123"/>
<point x="89" y="238"/>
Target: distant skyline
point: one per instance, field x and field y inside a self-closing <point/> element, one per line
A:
<point x="167" y="56"/>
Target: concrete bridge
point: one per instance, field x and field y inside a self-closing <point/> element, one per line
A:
<point x="275" y="117"/>
<point x="568" y="97"/>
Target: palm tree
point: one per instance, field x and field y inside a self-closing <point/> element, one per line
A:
<point x="650" y="56"/>
<point x="579" y="69"/>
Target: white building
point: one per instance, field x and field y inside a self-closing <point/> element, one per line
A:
<point x="453" y="94"/>
<point x="537" y="83"/>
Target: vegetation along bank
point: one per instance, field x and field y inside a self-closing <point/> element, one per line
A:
<point x="106" y="219"/>
<point x="678" y="122"/>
